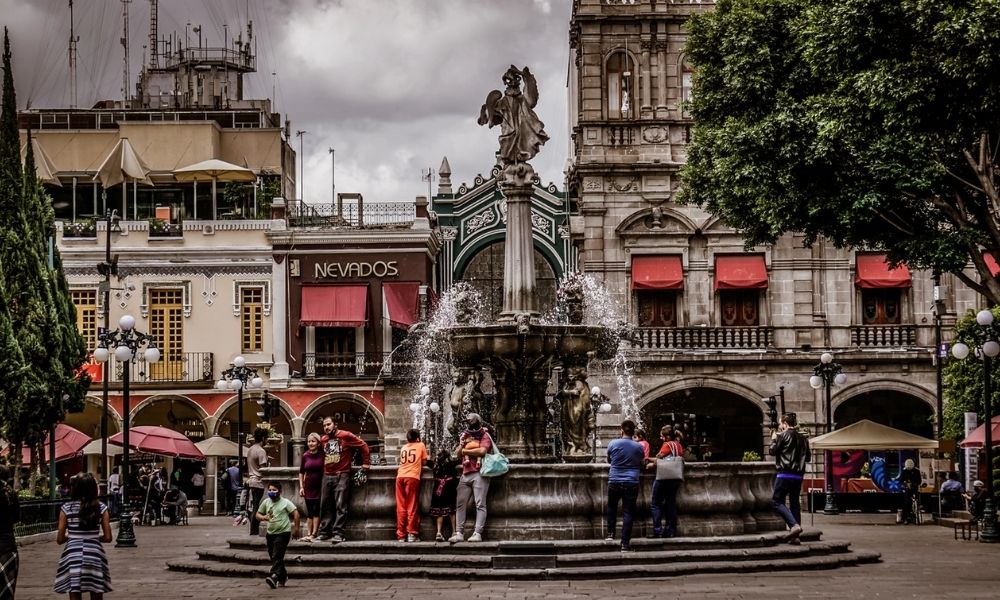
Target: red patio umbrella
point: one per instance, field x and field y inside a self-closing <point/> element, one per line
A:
<point x="159" y="440"/>
<point x="977" y="438"/>
<point x="69" y="442"/>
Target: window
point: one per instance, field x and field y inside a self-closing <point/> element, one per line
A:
<point x="739" y="308"/>
<point x="657" y="308"/>
<point x="687" y="84"/>
<point x="86" y="315"/>
<point x="620" y="85"/>
<point x="485" y="274"/>
<point x="880" y="306"/>
<point x="166" y="325"/>
<point x="252" y="318"/>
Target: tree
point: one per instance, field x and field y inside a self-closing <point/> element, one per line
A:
<point x="873" y="124"/>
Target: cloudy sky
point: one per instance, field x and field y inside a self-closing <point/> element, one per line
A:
<point x="392" y="85"/>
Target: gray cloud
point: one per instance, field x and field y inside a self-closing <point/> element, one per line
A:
<point x="393" y="85"/>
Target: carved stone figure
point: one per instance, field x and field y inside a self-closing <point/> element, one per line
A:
<point x="457" y="397"/>
<point x="577" y="416"/>
<point x="521" y="132"/>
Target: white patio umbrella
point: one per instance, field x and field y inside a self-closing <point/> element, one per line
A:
<point x="122" y="164"/>
<point x="215" y="170"/>
<point x="45" y="170"/>
<point x="213" y="448"/>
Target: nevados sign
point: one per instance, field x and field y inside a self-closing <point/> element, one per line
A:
<point x="336" y="270"/>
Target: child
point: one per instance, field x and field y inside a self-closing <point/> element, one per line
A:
<point x="275" y="510"/>
<point x="445" y="491"/>
<point x="411" y="461"/>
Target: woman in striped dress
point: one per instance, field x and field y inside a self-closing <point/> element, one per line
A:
<point x="84" y="523"/>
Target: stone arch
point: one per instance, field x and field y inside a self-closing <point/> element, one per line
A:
<point x="89" y="419"/>
<point x="677" y="385"/>
<point x="486" y="276"/>
<point x="634" y="84"/>
<point x="222" y="422"/>
<point x="541" y="245"/>
<point x="190" y="416"/>
<point x="286" y="410"/>
<point x="638" y="218"/>
<point x="311" y="411"/>
<point x="897" y="404"/>
<point x="905" y="387"/>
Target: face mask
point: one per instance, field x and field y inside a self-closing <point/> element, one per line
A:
<point x="273" y="495"/>
<point x="475" y="426"/>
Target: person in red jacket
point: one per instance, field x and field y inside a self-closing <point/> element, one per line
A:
<point x="338" y="447"/>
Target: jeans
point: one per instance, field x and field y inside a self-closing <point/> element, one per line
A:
<point x="277" y="543"/>
<point x="627" y="494"/>
<point x="664" y="500"/>
<point x="334" y="503"/>
<point x="256" y="495"/>
<point x="231" y="496"/>
<point x="475" y="485"/>
<point x="791" y="488"/>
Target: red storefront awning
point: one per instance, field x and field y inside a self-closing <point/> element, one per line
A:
<point x="740" y="272"/>
<point x="403" y="301"/>
<point x="660" y="272"/>
<point x="334" y="305"/>
<point x="991" y="263"/>
<point x="873" y="272"/>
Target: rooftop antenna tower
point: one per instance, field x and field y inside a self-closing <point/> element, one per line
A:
<point x="125" y="85"/>
<point x="73" y="39"/>
<point x="154" y="57"/>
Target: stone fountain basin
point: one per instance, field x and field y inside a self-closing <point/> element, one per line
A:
<point x="474" y="345"/>
<point x="566" y="501"/>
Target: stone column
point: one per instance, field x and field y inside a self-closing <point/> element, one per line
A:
<point x="646" y="46"/>
<point x="298" y="448"/>
<point x="519" y="258"/>
<point x="661" y="79"/>
<point x="279" y="322"/>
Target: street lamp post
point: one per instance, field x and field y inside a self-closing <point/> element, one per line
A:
<point x="827" y="373"/>
<point x="423" y="400"/>
<point x="127" y="342"/>
<point x="984" y="339"/>
<point x="108" y="268"/>
<point x="598" y="404"/>
<point x="236" y="378"/>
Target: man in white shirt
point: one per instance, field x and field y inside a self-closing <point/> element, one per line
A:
<point x="114" y="488"/>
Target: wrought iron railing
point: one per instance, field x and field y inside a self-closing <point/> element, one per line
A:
<point x="351" y="214"/>
<point x="40" y="516"/>
<point x="182" y="367"/>
<point x="883" y="336"/>
<point x="368" y="365"/>
<point x="701" y="338"/>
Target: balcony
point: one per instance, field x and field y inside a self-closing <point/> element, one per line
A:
<point x="702" y="338"/>
<point x="883" y="336"/>
<point x="370" y="365"/>
<point x="351" y="214"/>
<point x="184" y="367"/>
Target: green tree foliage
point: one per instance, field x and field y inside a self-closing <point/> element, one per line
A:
<point x="874" y="124"/>
<point x="963" y="382"/>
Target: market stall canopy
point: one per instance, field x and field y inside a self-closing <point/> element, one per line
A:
<point x="69" y="442"/>
<point x="977" y="437"/>
<point x="219" y="446"/>
<point x="868" y="435"/>
<point x="94" y="449"/>
<point x="159" y="440"/>
<point x="121" y="164"/>
<point x="45" y="170"/>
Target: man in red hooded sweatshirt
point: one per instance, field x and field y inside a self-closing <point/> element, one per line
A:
<point x="339" y="447"/>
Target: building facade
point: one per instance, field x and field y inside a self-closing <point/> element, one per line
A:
<point x="718" y="328"/>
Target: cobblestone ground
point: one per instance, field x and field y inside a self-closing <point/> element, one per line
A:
<point x="918" y="562"/>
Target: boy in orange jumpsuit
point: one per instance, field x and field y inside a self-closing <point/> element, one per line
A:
<point x="411" y="462"/>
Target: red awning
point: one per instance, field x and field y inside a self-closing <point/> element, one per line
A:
<point x="873" y="272"/>
<point x="334" y="305"/>
<point x="663" y="272"/>
<point x="740" y="272"/>
<point x="403" y="302"/>
<point x="991" y="263"/>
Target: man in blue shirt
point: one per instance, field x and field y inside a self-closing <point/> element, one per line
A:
<point x="626" y="457"/>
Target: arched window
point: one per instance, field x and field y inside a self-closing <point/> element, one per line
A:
<point x="485" y="273"/>
<point x="687" y="83"/>
<point x="619" y="74"/>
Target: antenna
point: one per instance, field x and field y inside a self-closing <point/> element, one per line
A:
<point x="73" y="39"/>
<point x="428" y="175"/>
<point x="125" y="87"/>
<point x="154" y="59"/>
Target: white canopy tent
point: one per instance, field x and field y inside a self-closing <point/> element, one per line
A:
<point x="213" y="448"/>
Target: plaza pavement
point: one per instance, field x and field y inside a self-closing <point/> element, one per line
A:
<point x="917" y="562"/>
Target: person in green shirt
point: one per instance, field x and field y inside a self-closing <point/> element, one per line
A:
<point x="278" y="513"/>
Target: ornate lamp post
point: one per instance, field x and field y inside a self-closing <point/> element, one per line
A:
<point x="435" y="410"/>
<point x="236" y="378"/>
<point x="598" y="404"/>
<point x="127" y="342"/>
<point x="984" y="339"/>
<point x="827" y="373"/>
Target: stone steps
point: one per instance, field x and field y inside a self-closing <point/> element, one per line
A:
<point x="573" y="559"/>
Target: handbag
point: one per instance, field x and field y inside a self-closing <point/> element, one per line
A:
<point x="494" y="464"/>
<point x="670" y="467"/>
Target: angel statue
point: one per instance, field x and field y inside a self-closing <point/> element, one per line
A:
<point x="521" y="132"/>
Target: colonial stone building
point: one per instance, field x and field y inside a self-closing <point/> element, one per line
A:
<point x="720" y="328"/>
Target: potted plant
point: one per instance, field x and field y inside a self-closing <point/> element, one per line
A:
<point x="161" y="228"/>
<point x="80" y="229"/>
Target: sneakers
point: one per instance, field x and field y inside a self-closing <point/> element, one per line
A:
<point x="270" y="581"/>
<point x="455" y="538"/>
<point x="411" y="537"/>
<point x="401" y="540"/>
<point x="626" y="548"/>
<point x="322" y="537"/>
<point x="439" y="538"/>
<point x="337" y="538"/>
<point x="609" y="537"/>
<point x="795" y="542"/>
<point x="794" y="533"/>
<point x="475" y="537"/>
